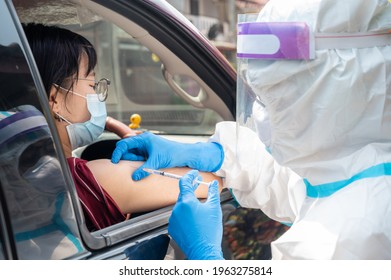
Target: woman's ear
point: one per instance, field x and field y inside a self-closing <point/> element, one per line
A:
<point x="53" y="98"/>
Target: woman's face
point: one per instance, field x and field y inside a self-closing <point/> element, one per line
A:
<point x="73" y="107"/>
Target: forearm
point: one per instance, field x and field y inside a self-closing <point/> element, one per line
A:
<point x="119" y="128"/>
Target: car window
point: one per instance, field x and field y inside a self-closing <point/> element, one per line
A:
<point x="140" y="87"/>
<point x="37" y="199"/>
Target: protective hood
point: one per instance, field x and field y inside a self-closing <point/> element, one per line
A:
<point x="330" y="116"/>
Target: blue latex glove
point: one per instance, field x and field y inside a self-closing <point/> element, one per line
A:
<point x="159" y="152"/>
<point x="197" y="227"/>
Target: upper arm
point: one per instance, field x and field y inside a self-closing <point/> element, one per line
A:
<point x="147" y="194"/>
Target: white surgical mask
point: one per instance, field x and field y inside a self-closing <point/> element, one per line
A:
<point x="81" y="134"/>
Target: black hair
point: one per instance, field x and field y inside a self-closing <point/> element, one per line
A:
<point x="57" y="53"/>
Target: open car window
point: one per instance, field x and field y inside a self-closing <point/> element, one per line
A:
<point x="141" y="84"/>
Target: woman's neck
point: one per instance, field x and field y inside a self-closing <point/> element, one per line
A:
<point x="65" y="143"/>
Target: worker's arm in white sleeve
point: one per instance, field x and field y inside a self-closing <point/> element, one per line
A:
<point x="255" y="178"/>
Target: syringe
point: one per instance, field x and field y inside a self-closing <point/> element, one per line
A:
<point x="170" y="175"/>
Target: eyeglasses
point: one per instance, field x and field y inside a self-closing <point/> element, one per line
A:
<point x="101" y="88"/>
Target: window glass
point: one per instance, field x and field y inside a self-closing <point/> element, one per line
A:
<point x="140" y="75"/>
<point x="194" y="7"/>
<point x="138" y="85"/>
<point x="31" y="177"/>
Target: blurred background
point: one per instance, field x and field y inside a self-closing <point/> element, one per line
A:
<point x="217" y="19"/>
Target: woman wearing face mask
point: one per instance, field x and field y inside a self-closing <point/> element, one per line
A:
<point x="66" y="62"/>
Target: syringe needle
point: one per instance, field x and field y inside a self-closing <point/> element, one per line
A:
<point x="171" y="175"/>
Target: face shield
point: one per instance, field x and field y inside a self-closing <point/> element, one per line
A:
<point x="314" y="79"/>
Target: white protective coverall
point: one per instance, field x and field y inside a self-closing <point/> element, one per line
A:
<point x="327" y="163"/>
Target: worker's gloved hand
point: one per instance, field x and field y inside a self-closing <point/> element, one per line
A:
<point x="159" y="152"/>
<point x="197" y="227"/>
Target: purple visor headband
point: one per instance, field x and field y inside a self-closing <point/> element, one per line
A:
<point x="294" y="40"/>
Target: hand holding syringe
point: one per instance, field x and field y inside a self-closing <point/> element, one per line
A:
<point x="170" y="175"/>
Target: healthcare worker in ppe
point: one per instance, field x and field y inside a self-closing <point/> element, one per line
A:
<point x="312" y="143"/>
